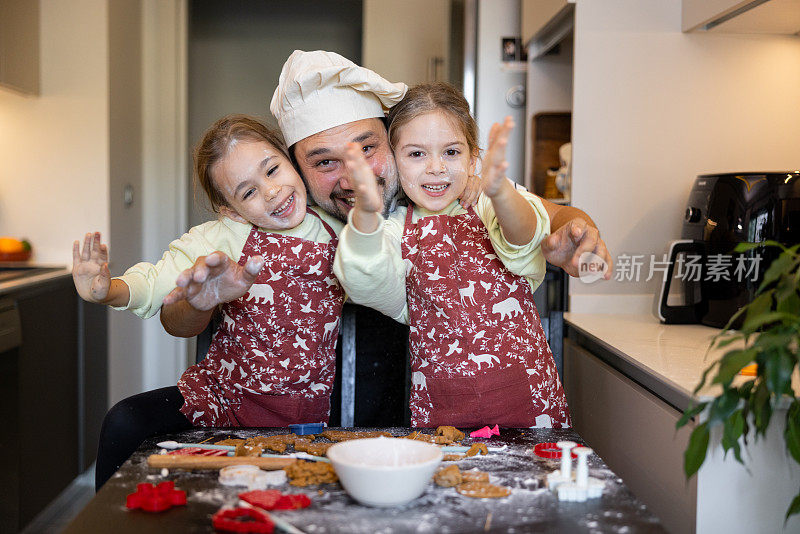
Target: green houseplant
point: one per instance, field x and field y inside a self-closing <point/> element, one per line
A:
<point x="769" y="337"/>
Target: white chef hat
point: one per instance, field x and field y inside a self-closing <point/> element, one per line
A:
<point x="320" y="90"/>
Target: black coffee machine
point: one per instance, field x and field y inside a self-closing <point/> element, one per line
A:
<point x="724" y="210"/>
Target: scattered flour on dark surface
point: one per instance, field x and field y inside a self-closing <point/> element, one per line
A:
<point x="530" y="507"/>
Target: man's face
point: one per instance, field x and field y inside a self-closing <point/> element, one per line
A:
<point x="320" y="158"/>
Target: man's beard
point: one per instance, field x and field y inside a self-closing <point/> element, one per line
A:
<point x="389" y="194"/>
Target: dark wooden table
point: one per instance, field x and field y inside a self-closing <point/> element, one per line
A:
<point x="529" y="508"/>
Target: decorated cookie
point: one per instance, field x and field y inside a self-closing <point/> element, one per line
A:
<point x="482" y="490"/>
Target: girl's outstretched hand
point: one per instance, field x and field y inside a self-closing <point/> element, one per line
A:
<point x="90" y="269"/>
<point x="369" y="203"/>
<point x="214" y="279"/>
<point x="471" y="192"/>
<point x="494" y="163"/>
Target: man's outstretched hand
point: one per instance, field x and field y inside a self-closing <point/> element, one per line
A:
<point x="564" y="247"/>
<point x="214" y="279"/>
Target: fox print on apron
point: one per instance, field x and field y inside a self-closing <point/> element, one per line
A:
<point x="478" y="352"/>
<point x="272" y="360"/>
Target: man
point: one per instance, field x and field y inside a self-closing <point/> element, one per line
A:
<point x="322" y="103"/>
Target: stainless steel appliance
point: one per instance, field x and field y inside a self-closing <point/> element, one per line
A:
<point x="722" y="211"/>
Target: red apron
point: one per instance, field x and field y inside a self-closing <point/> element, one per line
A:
<point x="478" y="352"/>
<point x="272" y="361"/>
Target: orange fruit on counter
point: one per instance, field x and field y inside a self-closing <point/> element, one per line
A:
<point x="12" y="249"/>
<point x="9" y="244"/>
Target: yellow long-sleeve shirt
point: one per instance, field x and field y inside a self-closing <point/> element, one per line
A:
<point x="371" y="269"/>
<point x="149" y="283"/>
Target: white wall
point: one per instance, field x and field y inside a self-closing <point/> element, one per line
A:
<point x="653" y="108"/>
<point x="398" y="43"/>
<point x="54" y="174"/>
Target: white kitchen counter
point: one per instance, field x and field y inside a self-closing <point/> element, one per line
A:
<point x="669" y="360"/>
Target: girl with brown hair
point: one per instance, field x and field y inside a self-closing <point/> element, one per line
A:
<point x="272" y="360"/>
<point x="462" y="278"/>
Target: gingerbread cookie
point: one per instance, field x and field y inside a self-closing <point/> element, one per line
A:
<point x="273" y="443"/>
<point x="419" y="436"/>
<point x="482" y="490"/>
<point x="452" y="457"/>
<point x="302" y="473"/>
<point x="344" y="435"/>
<point x="476" y="448"/>
<point x="248" y="448"/>
<point x="474" y="476"/>
<point x="317" y="449"/>
<point x="448" y="477"/>
<point x="234" y="442"/>
<point x="450" y="434"/>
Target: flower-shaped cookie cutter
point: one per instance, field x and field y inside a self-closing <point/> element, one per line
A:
<point x="151" y="498"/>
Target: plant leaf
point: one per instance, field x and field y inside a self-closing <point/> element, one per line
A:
<point x="723" y="406"/>
<point x="704" y="377"/>
<point x="778" y="367"/>
<point x="732" y="431"/>
<point x="695" y="453"/>
<point x="761" y="408"/>
<point x="728" y="340"/>
<point x="781" y="264"/>
<point x="792" y="432"/>
<point x="732" y="363"/>
<point x="789" y="304"/>
<point x="751" y="325"/>
<point x="794" y="508"/>
<point x="690" y="412"/>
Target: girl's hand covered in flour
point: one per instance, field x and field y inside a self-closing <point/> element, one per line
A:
<point x="369" y="205"/>
<point x="91" y="275"/>
<point x="214" y="279"/>
<point x="494" y="163"/>
<point x="90" y="269"/>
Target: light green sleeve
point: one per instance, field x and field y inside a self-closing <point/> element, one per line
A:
<point x="149" y="284"/>
<point x="523" y="260"/>
<point x="371" y="269"/>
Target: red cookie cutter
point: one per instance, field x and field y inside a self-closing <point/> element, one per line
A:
<point x="549" y="450"/>
<point x="248" y="520"/>
<point x="156" y="499"/>
<point x="274" y="500"/>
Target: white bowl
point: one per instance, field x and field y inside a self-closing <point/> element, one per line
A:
<point x="384" y="471"/>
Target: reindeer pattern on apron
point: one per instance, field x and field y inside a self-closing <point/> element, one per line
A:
<point x="272" y="361"/>
<point x="478" y="352"/>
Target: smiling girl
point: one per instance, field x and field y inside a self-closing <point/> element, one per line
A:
<point x="462" y="278"/>
<point x="272" y="360"/>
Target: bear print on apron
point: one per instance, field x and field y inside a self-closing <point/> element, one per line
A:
<point x="478" y="352"/>
<point x="272" y="360"/>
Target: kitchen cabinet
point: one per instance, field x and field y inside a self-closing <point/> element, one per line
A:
<point x="53" y="391"/>
<point x="644" y="449"/>
<point x="742" y="16"/>
<point x="627" y="379"/>
<point x="19" y="45"/>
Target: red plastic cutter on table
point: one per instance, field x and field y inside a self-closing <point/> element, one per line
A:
<point x="275" y="500"/>
<point x="156" y="499"/>
<point x="248" y="520"/>
<point x="549" y="450"/>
